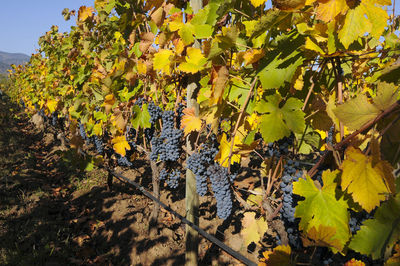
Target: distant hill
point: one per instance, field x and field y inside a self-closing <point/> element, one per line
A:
<point x="6" y="59"/>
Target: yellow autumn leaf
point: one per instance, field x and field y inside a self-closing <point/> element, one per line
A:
<point x="324" y="236"/>
<point x="365" y="180"/>
<point x="328" y="10"/>
<point x="195" y="61"/>
<point x="85" y="12"/>
<point x="253" y="120"/>
<point x="162" y="61"/>
<point x="253" y="55"/>
<point x="257" y="3"/>
<point x="51" y="105"/>
<point x="225" y="149"/>
<point x="253" y="229"/>
<point x="190" y="122"/>
<point x="120" y="145"/>
<point x="141" y="67"/>
<point x="109" y="102"/>
<point x="98" y="129"/>
<point x="279" y="256"/>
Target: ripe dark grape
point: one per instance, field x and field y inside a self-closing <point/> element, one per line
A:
<point x="221" y="188"/>
<point x="163" y="174"/>
<point x="173" y="179"/>
<point x="329" y="138"/>
<point x="179" y="114"/>
<point x="155" y="112"/>
<point x="54" y="118"/>
<point x="123" y="161"/>
<point x="167" y="147"/>
<point x="82" y="131"/>
<point x="98" y="143"/>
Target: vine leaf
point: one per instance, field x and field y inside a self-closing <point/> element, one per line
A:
<point x="328" y="10"/>
<point x="354" y="262"/>
<point x="219" y="78"/>
<point x="279" y="256"/>
<point x="52" y="105"/>
<point x="381" y="231"/>
<point x="85" y="12"/>
<point x="162" y="61"/>
<point x="120" y="145"/>
<point x="225" y="148"/>
<point x="365" y="179"/>
<point x="356" y="112"/>
<point x="324" y="236"/>
<point x="142" y="117"/>
<point x="257" y="3"/>
<point x="279" y="66"/>
<point x="190" y="122"/>
<point x="253" y="229"/>
<point x="321" y="207"/>
<point x="277" y="122"/>
<point x="109" y="101"/>
<point x="195" y="61"/>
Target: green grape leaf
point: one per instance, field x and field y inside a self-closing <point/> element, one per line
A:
<point x="359" y="110"/>
<point x="279" y="66"/>
<point x="141" y="118"/>
<point x="276" y="122"/>
<point x="380" y="232"/>
<point x="321" y="207"/>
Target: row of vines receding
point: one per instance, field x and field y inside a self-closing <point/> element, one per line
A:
<point x="305" y="93"/>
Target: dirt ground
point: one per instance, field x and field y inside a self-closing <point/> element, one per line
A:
<point x="51" y="213"/>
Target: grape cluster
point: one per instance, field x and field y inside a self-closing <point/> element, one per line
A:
<point x="123" y="161"/>
<point x="98" y="143"/>
<point x="155" y="112"/>
<point x="130" y="137"/>
<point x="172" y="179"/>
<point x="279" y="148"/>
<point x="289" y="202"/>
<point x="82" y="131"/>
<point x="329" y="138"/>
<point x="167" y="147"/>
<point x="198" y="163"/>
<point x="179" y="114"/>
<point x="140" y="101"/>
<point x="220" y="185"/>
<point x="54" y="118"/>
<point x="357" y="219"/>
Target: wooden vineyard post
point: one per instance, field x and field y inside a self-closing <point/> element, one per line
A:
<point x="192" y="198"/>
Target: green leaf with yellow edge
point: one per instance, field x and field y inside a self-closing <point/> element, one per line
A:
<point x="141" y="117"/>
<point x="225" y="148"/>
<point x="195" y="61"/>
<point x="356" y="112"/>
<point x="383" y="231"/>
<point x="120" y="145"/>
<point x="162" y="61"/>
<point x="98" y="129"/>
<point x="365" y="179"/>
<point x="186" y="32"/>
<point x="355" y="25"/>
<point x="277" y="123"/>
<point x="253" y="229"/>
<point x="98" y="115"/>
<point x="279" y="256"/>
<point x="203" y="31"/>
<point x="321" y="207"/>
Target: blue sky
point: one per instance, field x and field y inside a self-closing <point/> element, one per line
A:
<point x="22" y="22"/>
